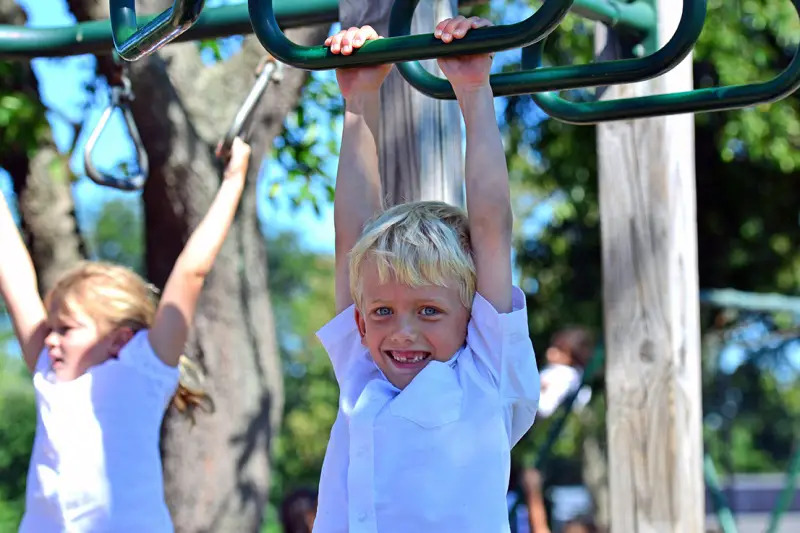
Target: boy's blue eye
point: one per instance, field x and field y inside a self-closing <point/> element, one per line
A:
<point x="383" y="311"/>
<point x="429" y="311"/>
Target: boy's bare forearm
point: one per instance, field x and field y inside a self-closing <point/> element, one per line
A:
<point x="488" y="196"/>
<point x="358" y="186"/>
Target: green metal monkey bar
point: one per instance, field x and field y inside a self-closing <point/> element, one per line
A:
<point x="533" y="79"/>
<point x="133" y="42"/>
<point x="408" y="47"/>
<point x="695" y="101"/>
<point x="95" y="37"/>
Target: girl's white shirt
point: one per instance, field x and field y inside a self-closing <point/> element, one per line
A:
<point x="434" y="457"/>
<point x="96" y="464"/>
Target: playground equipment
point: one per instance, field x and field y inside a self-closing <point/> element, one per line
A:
<point x="134" y="38"/>
<point x="269" y="70"/>
<point x="120" y="98"/>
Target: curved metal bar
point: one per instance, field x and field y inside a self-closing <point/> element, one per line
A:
<point x="407" y="48"/>
<point x="268" y="70"/>
<point x="120" y="98"/>
<point x="133" y="42"/>
<point x="695" y="101"/>
<point x="533" y="79"/>
<point x="214" y="22"/>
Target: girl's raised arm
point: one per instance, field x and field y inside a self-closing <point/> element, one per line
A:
<point x="19" y="289"/>
<point x="179" y="299"/>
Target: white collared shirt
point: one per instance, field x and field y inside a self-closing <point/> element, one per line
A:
<point x="434" y="457"/>
<point x="95" y="465"/>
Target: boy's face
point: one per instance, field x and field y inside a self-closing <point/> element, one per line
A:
<point x="405" y="327"/>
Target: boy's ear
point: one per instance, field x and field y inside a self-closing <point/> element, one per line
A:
<point x="361" y="323"/>
<point x="119" y="338"/>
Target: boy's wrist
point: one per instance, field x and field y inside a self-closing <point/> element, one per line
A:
<point x="359" y="101"/>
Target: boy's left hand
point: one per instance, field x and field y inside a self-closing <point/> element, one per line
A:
<point x="463" y="72"/>
<point x="236" y="167"/>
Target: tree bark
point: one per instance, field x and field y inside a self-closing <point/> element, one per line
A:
<point x="217" y="470"/>
<point x="42" y="185"/>
<point x="420" y="144"/>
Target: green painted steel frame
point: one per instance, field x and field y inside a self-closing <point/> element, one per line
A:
<point x="95" y="37"/>
<point x="132" y="41"/>
<point x="408" y="47"/>
<point x="695" y="101"/>
<point x="530" y="79"/>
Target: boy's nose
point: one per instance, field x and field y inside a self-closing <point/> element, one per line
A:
<point x="404" y="332"/>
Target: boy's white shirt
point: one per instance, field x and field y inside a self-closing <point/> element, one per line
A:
<point x="96" y="464"/>
<point x="434" y="457"/>
<point x="558" y="382"/>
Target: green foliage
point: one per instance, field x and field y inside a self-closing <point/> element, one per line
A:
<point x="22" y="116"/>
<point x="301" y="287"/>
<point x="17" y="428"/>
<point x="118" y="235"/>
<point x="747" y="171"/>
<point x="308" y="144"/>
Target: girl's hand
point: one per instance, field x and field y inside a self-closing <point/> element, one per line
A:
<point x="463" y="72"/>
<point x="356" y="79"/>
<point x="236" y="168"/>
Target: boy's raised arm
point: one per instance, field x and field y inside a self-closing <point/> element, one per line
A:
<point x="488" y="196"/>
<point x="19" y="290"/>
<point x="358" y="185"/>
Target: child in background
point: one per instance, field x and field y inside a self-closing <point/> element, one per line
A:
<point x="104" y="361"/>
<point x="436" y="371"/>
<point x="567" y="357"/>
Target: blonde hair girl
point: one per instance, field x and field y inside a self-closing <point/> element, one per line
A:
<point x="104" y="358"/>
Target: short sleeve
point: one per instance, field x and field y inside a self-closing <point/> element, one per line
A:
<point x="342" y="341"/>
<point x="501" y="345"/>
<point x="139" y="354"/>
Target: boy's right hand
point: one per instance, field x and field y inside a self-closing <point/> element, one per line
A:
<point x="355" y="80"/>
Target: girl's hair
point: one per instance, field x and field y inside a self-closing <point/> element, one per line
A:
<point x="418" y="243"/>
<point x="113" y="296"/>
<point x="117" y="297"/>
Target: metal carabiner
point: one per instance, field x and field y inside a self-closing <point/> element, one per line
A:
<point x="121" y="96"/>
<point x="268" y="70"/>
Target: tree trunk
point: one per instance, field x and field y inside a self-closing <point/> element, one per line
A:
<point x="216" y="471"/>
<point x="42" y="185"/>
<point x="420" y="144"/>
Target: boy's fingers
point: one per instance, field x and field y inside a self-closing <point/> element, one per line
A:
<point x="478" y="22"/>
<point x="364" y="34"/>
<point x="347" y="40"/>
<point x="437" y="32"/>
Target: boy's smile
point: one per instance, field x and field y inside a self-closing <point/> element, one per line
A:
<point x="406" y="327"/>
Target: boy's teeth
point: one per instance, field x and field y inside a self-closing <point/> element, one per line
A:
<point x="415" y="358"/>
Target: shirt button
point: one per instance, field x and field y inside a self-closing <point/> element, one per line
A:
<point x="362" y="450"/>
<point x="362" y="516"/>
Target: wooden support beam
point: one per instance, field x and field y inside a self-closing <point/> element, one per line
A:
<point x="420" y="144"/>
<point x="649" y="239"/>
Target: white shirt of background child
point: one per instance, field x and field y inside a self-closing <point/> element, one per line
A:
<point x="434" y="457"/>
<point x="558" y="382"/>
<point x="95" y="464"/>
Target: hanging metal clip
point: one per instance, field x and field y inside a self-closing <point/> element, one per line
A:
<point x="121" y="97"/>
<point x="268" y="70"/>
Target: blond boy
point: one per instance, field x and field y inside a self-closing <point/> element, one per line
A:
<point x="437" y="374"/>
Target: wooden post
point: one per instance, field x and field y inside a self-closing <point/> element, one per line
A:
<point x="649" y="238"/>
<point x="420" y="144"/>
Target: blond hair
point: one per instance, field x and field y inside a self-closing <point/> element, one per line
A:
<point x="417" y="243"/>
<point x="112" y="295"/>
<point x="117" y="297"/>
